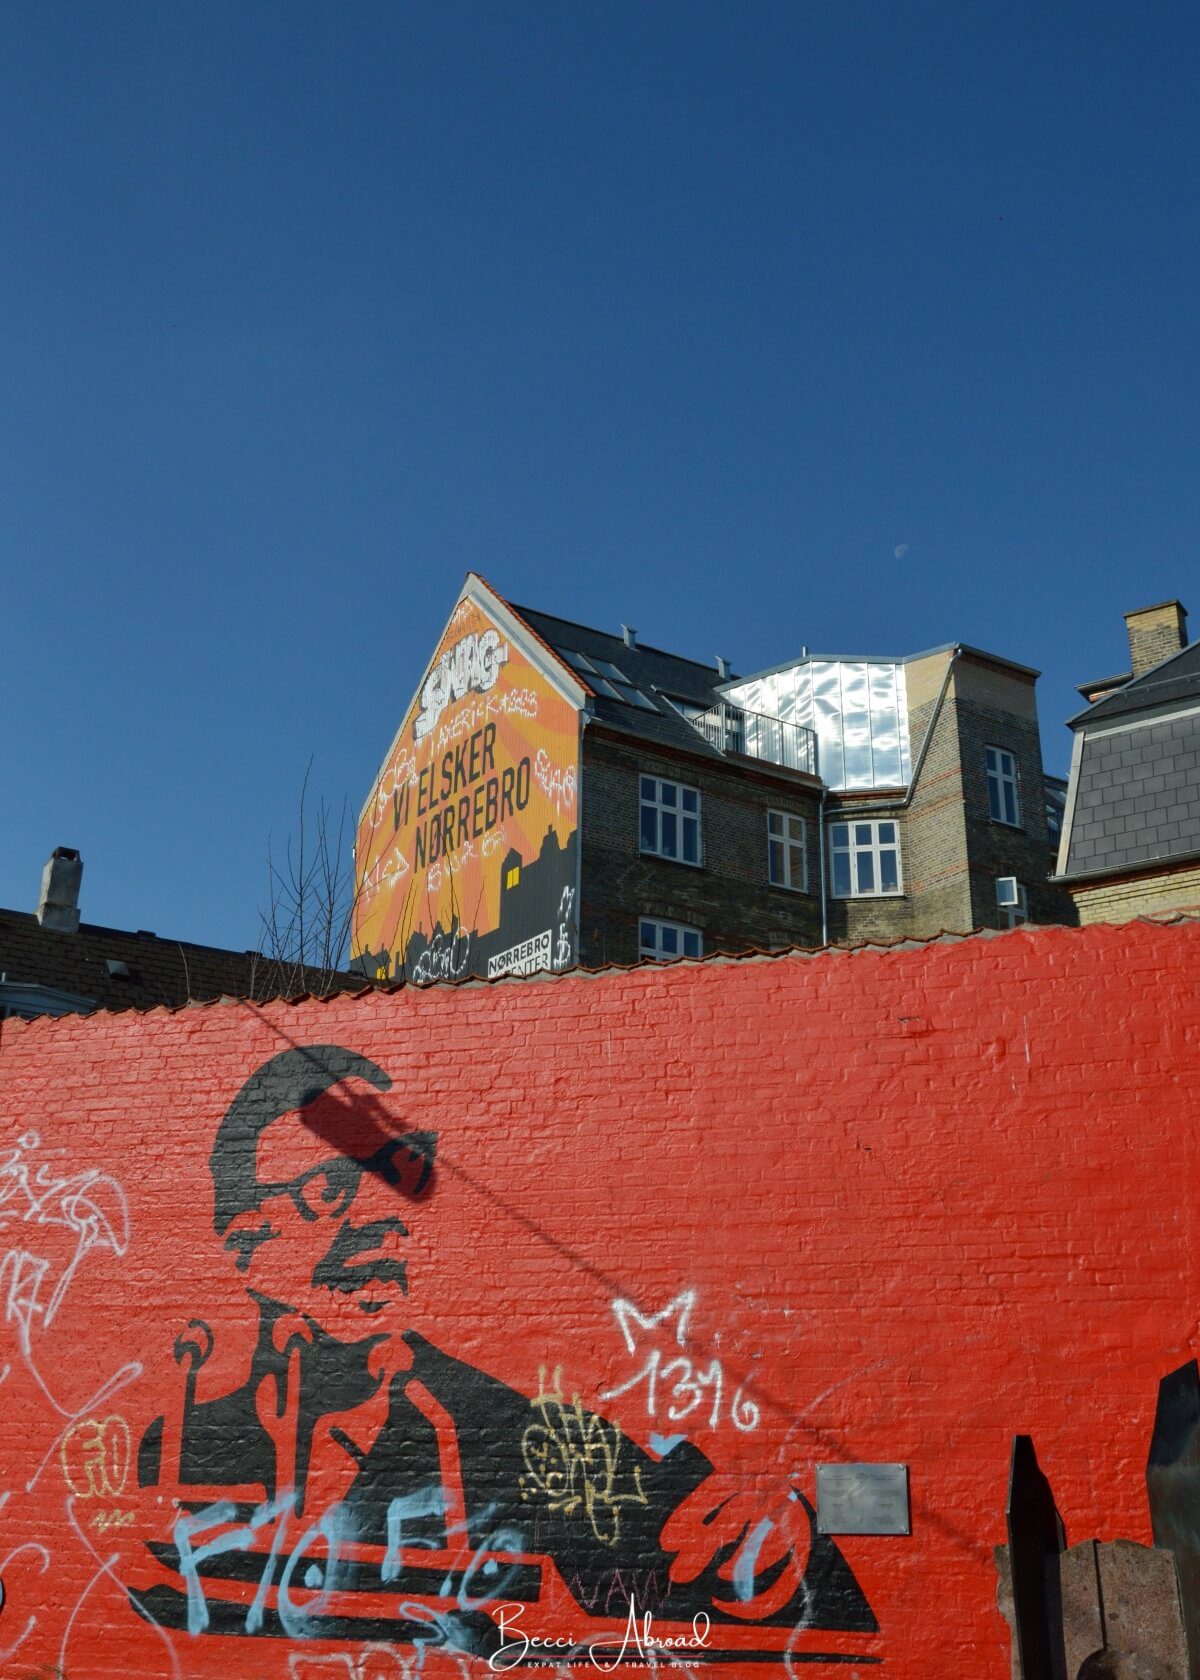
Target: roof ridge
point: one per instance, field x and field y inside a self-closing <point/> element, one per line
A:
<point x="638" y="647"/>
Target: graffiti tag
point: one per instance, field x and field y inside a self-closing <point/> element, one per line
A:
<point x="573" y="1461"/>
<point x="686" y="1382"/>
<point x="473" y="663"/>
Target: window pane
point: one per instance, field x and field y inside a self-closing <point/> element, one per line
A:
<point x="889" y="871"/>
<point x="775" y="854"/>
<point x="994" y="810"/>
<point x="670" y="941"/>
<point x="774" y="823"/>
<point x="991" y="758"/>
<point x="669" y="846"/>
<point x="691" y="840"/>
<point x="796" y="865"/>
<point x="691" y="943"/>
<point x="648" y="787"/>
<point x="690" y="799"/>
<point x="1010" y="803"/>
<point x="667" y="793"/>
<point x="866" y="871"/>
<point x="646" y="931"/>
<point x="862" y="834"/>
<point x="649" y="829"/>
<point x="839" y="834"/>
<point x="841" y="873"/>
<point x="887" y="834"/>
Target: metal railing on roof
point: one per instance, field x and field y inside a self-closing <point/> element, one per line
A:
<point x="732" y="729"/>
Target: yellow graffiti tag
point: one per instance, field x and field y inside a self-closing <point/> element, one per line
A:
<point x="104" y="1520"/>
<point x="95" y="1457"/>
<point x="573" y="1460"/>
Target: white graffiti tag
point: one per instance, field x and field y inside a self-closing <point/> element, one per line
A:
<point x="686" y="1381"/>
<point x="562" y="948"/>
<point x="90" y="1204"/>
<point x="446" y="958"/>
<point x="557" y="783"/>
<point x="473" y="663"/>
<point x="384" y="874"/>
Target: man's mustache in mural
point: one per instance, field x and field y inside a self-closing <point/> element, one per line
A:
<point x="336" y="1270"/>
<point x="358" y="1458"/>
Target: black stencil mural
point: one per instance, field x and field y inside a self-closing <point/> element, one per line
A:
<point x="360" y="1482"/>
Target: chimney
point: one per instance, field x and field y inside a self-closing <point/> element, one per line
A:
<point x="723" y="670"/>
<point x="629" y="634"/>
<point x="1155" y="633"/>
<point x="58" y="907"/>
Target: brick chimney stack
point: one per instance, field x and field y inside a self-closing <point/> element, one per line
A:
<point x="58" y="907"/>
<point x="1155" y="633"/>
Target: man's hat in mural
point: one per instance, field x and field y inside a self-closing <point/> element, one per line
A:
<point x="294" y="1079"/>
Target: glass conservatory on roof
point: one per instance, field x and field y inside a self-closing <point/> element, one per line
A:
<point x="857" y="708"/>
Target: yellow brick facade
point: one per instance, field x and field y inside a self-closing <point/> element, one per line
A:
<point x="1139" y="895"/>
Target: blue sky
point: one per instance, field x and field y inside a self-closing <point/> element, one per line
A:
<point x="686" y="315"/>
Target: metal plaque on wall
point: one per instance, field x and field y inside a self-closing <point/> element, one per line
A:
<point x="862" y="1499"/>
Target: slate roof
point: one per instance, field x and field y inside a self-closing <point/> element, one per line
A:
<point x="1175" y="679"/>
<point x="1135" y="795"/>
<point x="649" y="670"/>
<point x="166" y="972"/>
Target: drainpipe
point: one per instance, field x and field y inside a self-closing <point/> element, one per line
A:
<point x="821" y="857"/>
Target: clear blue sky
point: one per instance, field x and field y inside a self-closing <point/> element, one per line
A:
<point x="687" y="315"/>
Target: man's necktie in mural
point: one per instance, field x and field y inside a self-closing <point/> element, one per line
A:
<point x="360" y="1484"/>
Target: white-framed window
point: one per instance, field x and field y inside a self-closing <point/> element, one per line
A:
<point x="670" y="820"/>
<point x="787" y="853"/>
<point x="667" y="941"/>
<point x="864" y="859"/>
<point x="1004" y="799"/>
<point x="1011" y="901"/>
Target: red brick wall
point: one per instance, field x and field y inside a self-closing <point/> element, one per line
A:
<point x="920" y="1201"/>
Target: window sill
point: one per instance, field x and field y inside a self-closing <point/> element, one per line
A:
<point x="1002" y="822"/>
<point x="782" y="886"/>
<point x="661" y="857"/>
<point x="863" y="898"/>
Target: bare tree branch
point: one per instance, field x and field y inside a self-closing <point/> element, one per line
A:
<point x="311" y="896"/>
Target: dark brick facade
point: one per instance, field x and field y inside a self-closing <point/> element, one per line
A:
<point x="728" y="897"/>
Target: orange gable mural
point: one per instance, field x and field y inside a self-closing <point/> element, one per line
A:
<point x="466" y="853"/>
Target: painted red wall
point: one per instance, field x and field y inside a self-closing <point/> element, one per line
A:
<point x="921" y="1200"/>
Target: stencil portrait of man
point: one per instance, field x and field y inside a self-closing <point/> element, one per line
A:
<point x="424" y="1457"/>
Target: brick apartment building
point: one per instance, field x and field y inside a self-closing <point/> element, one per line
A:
<point x="557" y="795"/>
